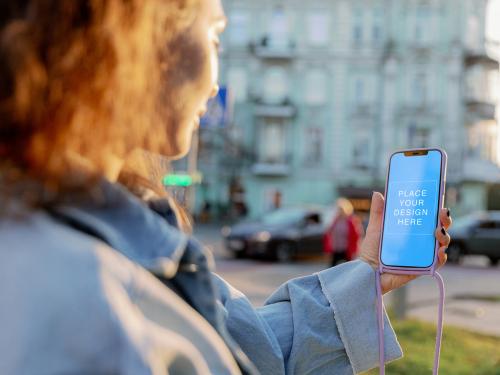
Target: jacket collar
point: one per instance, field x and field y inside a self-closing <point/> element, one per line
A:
<point x="126" y="223"/>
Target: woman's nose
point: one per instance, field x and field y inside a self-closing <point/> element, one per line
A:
<point x="214" y="91"/>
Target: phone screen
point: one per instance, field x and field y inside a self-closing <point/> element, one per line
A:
<point x="411" y="209"/>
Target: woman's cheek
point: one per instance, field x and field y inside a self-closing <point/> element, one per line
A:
<point x="214" y="68"/>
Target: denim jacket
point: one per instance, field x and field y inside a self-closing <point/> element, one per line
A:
<point x="78" y="295"/>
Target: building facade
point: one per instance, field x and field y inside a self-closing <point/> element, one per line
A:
<point x="325" y="90"/>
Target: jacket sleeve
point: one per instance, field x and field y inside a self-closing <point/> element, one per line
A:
<point x="322" y="324"/>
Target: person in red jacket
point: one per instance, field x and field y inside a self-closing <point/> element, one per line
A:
<point x="343" y="235"/>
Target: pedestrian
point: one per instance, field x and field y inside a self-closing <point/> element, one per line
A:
<point x="95" y="280"/>
<point x="342" y="238"/>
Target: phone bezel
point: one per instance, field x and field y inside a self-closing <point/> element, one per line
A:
<point x="442" y="183"/>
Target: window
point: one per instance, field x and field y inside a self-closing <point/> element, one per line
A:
<point x="357" y="27"/>
<point x="362" y="150"/>
<point x="377" y="26"/>
<point x="238" y="27"/>
<point x="358" y="91"/>
<point x="313" y="145"/>
<point x="474" y="142"/>
<point x="278" y="28"/>
<point x="363" y="91"/>
<point x="418" y="137"/>
<point x="487" y="224"/>
<point x="318" y="27"/>
<point x="275" y="85"/>
<point x="315" y="92"/>
<point x="481" y="84"/>
<point x="421" y="32"/>
<point x="272" y="200"/>
<point x="493" y="85"/>
<point x="237" y="83"/>
<point x="271" y="145"/>
<point x="419" y="89"/>
<point x="376" y="34"/>
<point x="482" y="140"/>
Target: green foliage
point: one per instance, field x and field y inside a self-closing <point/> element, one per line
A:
<point x="462" y="353"/>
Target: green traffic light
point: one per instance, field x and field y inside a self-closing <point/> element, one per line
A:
<point x="178" y="180"/>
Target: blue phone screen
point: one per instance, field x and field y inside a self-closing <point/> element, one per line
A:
<point x="411" y="210"/>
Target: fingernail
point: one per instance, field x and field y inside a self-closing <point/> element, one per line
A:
<point x="448" y="212"/>
<point x="443" y="231"/>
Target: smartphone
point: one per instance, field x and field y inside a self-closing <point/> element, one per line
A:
<point x="414" y="193"/>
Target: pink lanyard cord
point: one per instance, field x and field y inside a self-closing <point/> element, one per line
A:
<point x="380" y="318"/>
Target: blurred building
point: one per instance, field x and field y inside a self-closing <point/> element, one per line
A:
<point x="325" y="90"/>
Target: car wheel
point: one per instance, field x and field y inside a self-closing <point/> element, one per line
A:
<point x="454" y="253"/>
<point x="284" y="252"/>
<point x="494" y="260"/>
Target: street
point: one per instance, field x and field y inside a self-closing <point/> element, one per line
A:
<point x="472" y="289"/>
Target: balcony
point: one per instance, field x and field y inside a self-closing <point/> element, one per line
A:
<point x="275" y="167"/>
<point x="276" y="111"/>
<point x="473" y="58"/>
<point x="285" y="109"/>
<point x="267" y="48"/>
<point x="271" y="169"/>
<point x="480" y="110"/>
<point x="419" y="110"/>
<point x="480" y="87"/>
<point x="480" y="170"/>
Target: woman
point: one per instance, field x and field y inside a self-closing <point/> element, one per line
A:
<point x="342" y="237"/>
<point x="95" y="280"/>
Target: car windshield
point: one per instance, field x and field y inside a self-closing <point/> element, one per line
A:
<point x="283" y="216"/>
<point x="466" y="221"/>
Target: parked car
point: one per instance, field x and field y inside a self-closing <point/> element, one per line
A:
<point x="280" y="235"/>
<point x="476" y="234"/>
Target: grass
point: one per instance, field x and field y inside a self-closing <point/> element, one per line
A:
<point x="462" y="352"/>
<point x="475" y="297"/>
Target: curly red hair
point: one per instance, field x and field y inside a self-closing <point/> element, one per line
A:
<point x="82" y="77"/>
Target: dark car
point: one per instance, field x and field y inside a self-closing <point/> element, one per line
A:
<point x="280" y="235"/>
<point x="476" y="234"/>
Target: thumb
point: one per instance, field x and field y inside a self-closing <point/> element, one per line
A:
<point x="376" y="213"/>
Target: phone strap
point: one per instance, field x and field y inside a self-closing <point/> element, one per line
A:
<point x="380" y="318"/>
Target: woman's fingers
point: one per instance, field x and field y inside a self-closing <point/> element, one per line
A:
<point x="445" y="217"/>
<point x="441" y="234"/>
<point x="442" y="256"/>
<point x="390" y="281"/>
<point x="443" y="237"/>
<point x="376" y="214"/>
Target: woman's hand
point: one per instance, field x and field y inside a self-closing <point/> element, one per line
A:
<point x="370" y="246"/>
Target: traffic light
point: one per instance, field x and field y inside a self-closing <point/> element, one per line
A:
<point x="178" y="180"/>
<point x="182" y="179"/>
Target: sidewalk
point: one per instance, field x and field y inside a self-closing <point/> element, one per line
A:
<point x="480" y="317"/>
